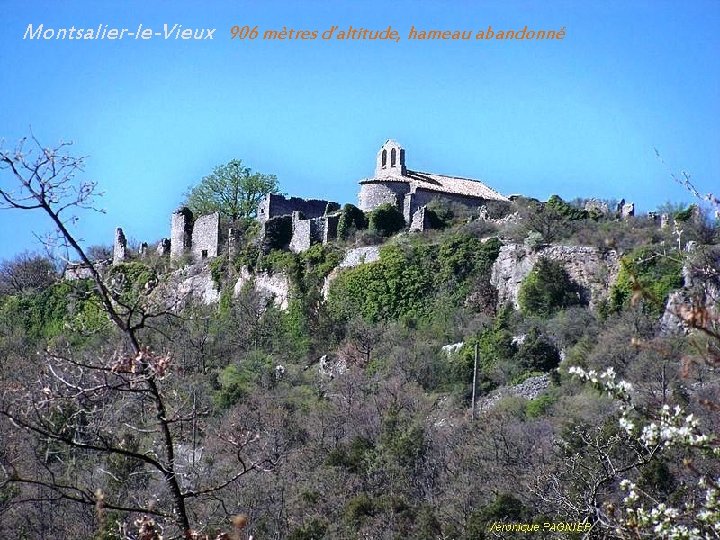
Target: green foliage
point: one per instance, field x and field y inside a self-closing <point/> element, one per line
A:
<point x="409" y="276"/>
<point x="547" y="289"/>
<point x="505" y="508"/>
<point x="130" y="280"/>
<point x="686" y="214"/>
<point x="231" y="189"/>
<point x="494" y="344"/>
<point x="403" y="441"/>
<point x="353" y="456"/>
<point x="359" y="508"/>
<point x="63" y="308"/>
<point x="536" y="353"/>
<point x="390" y="288"/>
<point x="648" y="276"/>
<point x="567" y="210"/>
<point x="352" y="218"/>
<point x="386" y="220"/>
<point x="236" y="381"/>
<point x="539" y="406"/>
<point x="218" y="269"/>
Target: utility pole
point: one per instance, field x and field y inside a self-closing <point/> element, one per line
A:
<point x="474" y="386"/>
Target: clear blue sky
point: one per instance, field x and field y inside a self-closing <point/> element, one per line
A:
<point x="578" y="117"/>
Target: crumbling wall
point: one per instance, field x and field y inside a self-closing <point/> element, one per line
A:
<point x="276" y="233"/>
<point x="163" y="247"/>
<point x="206" y="236"/>
<point x="274" y="205"/>
<point x="330" y="228"/>
<point x="301" y="233"/>
<point x="119" y="247"/>
<point x="419" y="220"/>
<point x="181" y="225"/>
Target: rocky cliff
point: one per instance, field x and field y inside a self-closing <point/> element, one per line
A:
<point x="594" y="270"/>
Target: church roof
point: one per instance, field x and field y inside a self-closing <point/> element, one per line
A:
<point x="442" y="183"/>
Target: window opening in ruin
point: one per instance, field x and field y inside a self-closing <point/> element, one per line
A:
<point x="203" y="254"/>
<point x="392" y="157"/>
<point x="384" y="158"/>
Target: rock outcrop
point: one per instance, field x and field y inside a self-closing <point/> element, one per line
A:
<point x="592" y="269"/>
<point x="528" y="389"/>
<point x="270" y="287"/>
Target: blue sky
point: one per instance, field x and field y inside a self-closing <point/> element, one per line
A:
<point x="577" y="117"/>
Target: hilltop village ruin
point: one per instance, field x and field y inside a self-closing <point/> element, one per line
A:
<point x="311" y="221"/>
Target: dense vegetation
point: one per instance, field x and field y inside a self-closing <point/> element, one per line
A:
<point x="351" y="419"/>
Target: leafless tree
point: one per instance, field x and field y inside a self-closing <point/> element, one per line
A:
<point x="112" y="404"/>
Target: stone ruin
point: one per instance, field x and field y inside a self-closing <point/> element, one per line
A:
<point x="119" y="247"/>
<point x="199" y="238"/>
<point x="304" y="221"/>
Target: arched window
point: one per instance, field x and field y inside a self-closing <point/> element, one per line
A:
<point x="393" y="155"/>
<point x="384" y="158"/>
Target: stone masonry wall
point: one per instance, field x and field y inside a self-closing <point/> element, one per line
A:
<point x="422" y="197"/>
<point x="373" y="195"/>
<point x="206" y="236"/>
<point x="119" y="247"/>
<point x="301" y="233"/>
<point x="274" y="205"/>
<point x="180" y="232"/>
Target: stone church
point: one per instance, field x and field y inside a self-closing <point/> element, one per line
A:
<point x="409" y="191"/>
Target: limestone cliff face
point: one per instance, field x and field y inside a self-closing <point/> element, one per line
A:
<point x="194" y="284"/>
<point x="275" y="287"/>
<point x="594" y="270"/>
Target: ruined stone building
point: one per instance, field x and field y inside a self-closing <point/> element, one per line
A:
<point x="200" y="237"/>
<point x="410" y="191"/>
<point x="303" y="221"/>
<point x="299" y="223"/>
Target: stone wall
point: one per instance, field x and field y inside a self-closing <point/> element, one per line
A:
<point x="119" y="247"/>
<point x="419" y="220"/>
<point x="301" y="233"/>
<point x="274" y="205"/>
<point x="181" y="225"/>
<point x="422" y="197"/>
<point x="276" y="233"/>
<point x="306" y="232"/>
<point x="330" y="228"/>
<point x="594" y="270"/>
<point x="206" y="236"/>
<point x="374" y="194"/>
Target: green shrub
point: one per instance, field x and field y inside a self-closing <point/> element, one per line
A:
<point x="547" y="289"/>
<point x="567" y="210"/>
<point x="537" y="407"/>
<point x="314" y="529"/>
<point x="411" y="276"/>
<point x="359" y="508"/>
<point x="70" y="308"/>
<point x="646" y="276"/>
<point x="237" y="380"/>
<point x="537" y="353"/>
<point x="130" y="280"/>
<point x="386" y="220"/>
<point x="352" y="218"/>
